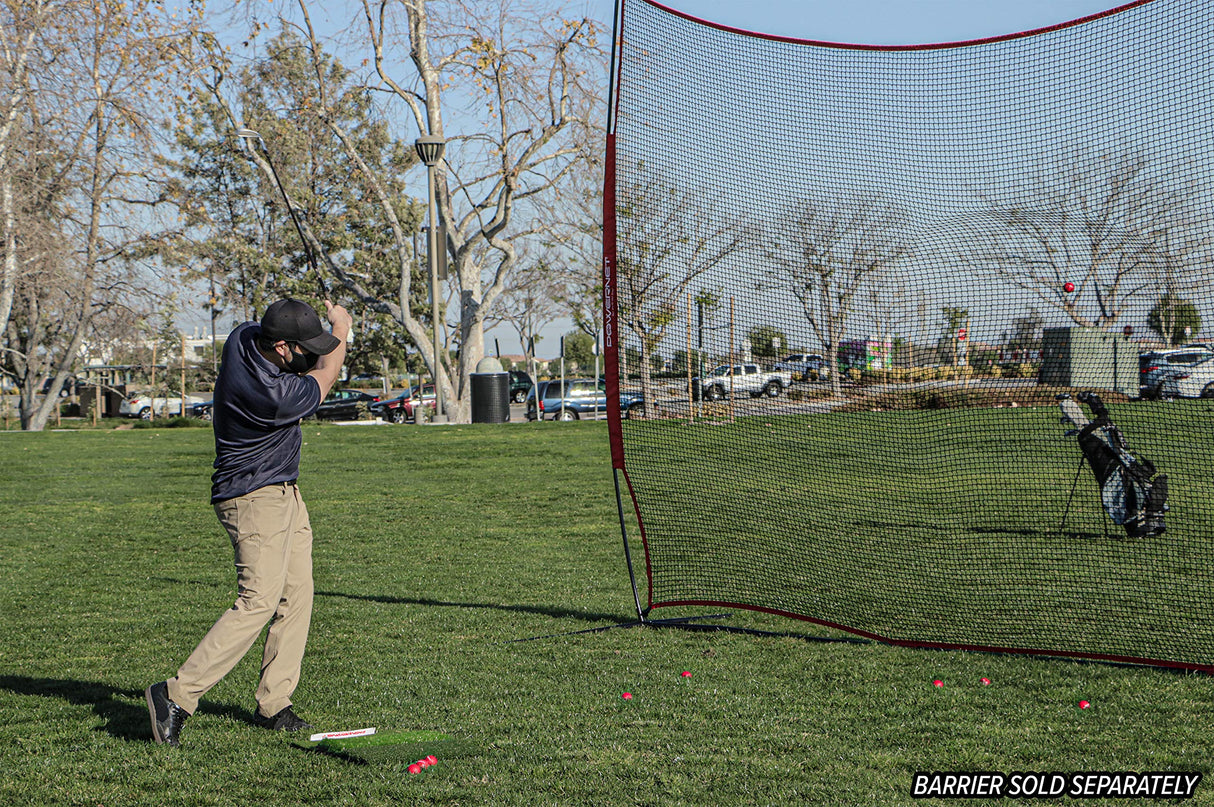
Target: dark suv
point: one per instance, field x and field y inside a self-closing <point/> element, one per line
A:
<point x="520" y="385"/>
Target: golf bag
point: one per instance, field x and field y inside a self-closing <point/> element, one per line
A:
<point x="1131" y="492"/>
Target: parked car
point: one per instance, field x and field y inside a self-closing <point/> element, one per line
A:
<point x="748" y="378"/>
<point x="401" y="409"/>
<point x="141" y="405"/>
<point x="345" y="404"/>
<point x="1193" y="381"/>
<point x="1154" y="368"/>
<point x="581" y="398"/>
<point x="204" y="410"/>
<point x="520" y="385"/>
<point x="802" y="363"/>
<point x="68" y="387"/>
<point x="391" y="409"/>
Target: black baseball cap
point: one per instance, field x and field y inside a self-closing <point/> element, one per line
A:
<point x="296" y="321"/>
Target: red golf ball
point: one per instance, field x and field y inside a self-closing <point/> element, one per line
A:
<point x="627" y="696"/>
<point x="1084" y="704"/>
<point x="686" y="673"/>
<point x="937" y="683"/>
<point x="986" y="682"/>
<point x="415" y="768"/>
<point x="433" y="760"/>
<point x="1069" y="287"/>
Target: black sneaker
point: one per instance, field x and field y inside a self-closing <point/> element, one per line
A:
<point x="167" y="717"/>
<point x="286" y="720"/>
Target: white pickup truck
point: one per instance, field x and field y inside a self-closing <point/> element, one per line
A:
<point x="732" y="379"/>
<point x="141" y="406"/>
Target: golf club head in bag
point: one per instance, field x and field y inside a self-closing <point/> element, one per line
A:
<point x="1131" y="492"/>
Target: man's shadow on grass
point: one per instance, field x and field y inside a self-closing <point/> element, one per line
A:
<point x="542" y="610"/>
<point x="122" y="718"/>
<point x="388" y="599"/>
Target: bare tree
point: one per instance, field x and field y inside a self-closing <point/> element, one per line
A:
<point x="89" y="115"/>
<point x="523" y="84"/>
<point x="20" y="24"/>
<point x="576" y="246"/>
<point x="823" y="252"/>
<point x="528" y="303"/>
<point x="1093" y="232"/>
<point x="669" y="238"/>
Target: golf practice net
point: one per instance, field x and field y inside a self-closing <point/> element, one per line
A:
<point x="867" y="294"/>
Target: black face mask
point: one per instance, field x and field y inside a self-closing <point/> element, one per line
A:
<point x="301" y="362"/>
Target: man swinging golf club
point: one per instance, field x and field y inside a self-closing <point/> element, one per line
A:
<point x="274" y="373"/>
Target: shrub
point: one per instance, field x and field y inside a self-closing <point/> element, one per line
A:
<point x="174" y="422"/>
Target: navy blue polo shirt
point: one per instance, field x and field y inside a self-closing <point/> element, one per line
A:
<point x="256" y="414"/>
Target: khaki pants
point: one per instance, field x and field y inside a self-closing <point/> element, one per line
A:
<point x="272" y="540"/>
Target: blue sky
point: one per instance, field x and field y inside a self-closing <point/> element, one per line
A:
<point x="876" y="22"/>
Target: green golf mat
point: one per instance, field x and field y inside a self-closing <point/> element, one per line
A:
<point x="393" y="746"/>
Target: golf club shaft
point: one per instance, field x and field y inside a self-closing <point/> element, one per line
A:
<point x="324" y="289"/>
<point x="303" y="239"/>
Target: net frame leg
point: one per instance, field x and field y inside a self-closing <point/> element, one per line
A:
<point x="619" y="503"/>
<point x="1066" y="513"/>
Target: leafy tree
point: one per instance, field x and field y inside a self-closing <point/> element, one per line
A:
<point x="632" y="361"/>
<point x="767" y="341"/>
<point x="678" y="361"/>
<point x="579" y="350"/>
<point x="242" y="241"/>
<point x="1171" y="317"/>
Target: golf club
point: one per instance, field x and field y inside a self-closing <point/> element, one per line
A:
<point x="253" y="135"/>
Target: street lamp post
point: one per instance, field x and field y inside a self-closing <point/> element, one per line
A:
<point x="430" y="150"/>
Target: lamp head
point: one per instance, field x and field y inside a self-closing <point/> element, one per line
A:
<point x="430" y="149"/>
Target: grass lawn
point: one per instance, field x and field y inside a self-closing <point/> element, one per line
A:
<point x="436" y="548"/>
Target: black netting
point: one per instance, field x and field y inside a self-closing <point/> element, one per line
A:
<point x="852" y="285"/>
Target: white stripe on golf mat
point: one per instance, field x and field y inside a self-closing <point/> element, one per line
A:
<point x="329" y="735"/>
